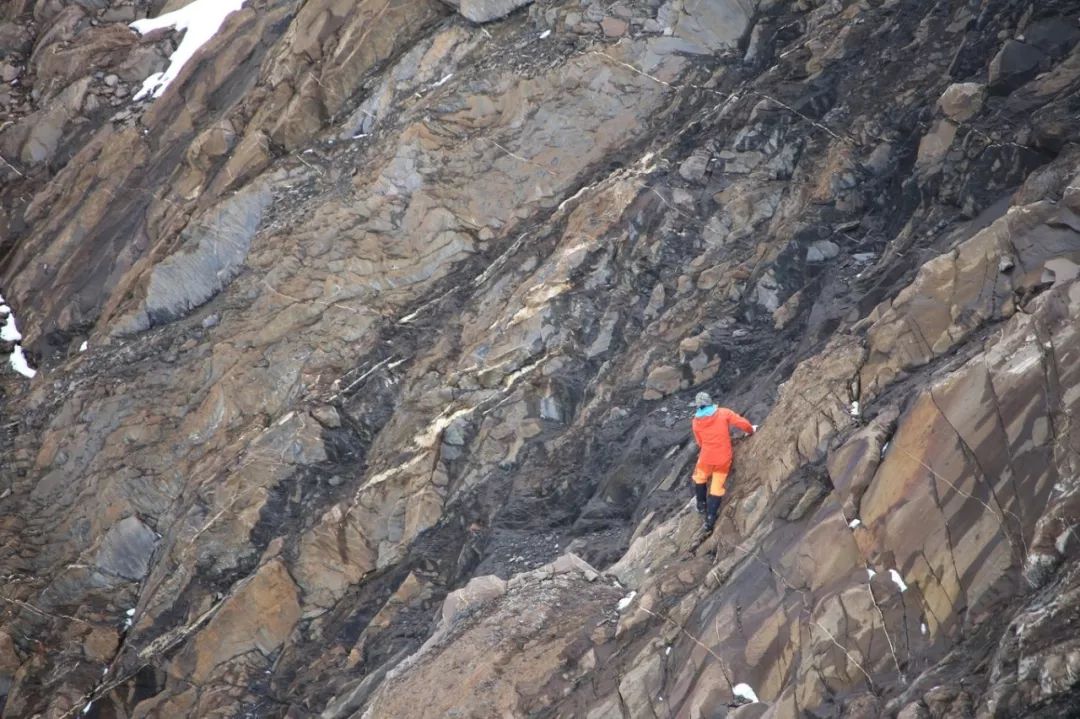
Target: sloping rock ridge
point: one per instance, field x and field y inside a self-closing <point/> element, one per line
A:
<point x="364" y="346"/>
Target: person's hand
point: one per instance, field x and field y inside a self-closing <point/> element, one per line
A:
<point x="753" y="427"/>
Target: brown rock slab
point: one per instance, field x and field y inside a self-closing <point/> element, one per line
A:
<point x="259" y="617"/>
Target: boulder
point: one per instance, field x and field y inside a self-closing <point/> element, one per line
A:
<point x="962" y="101"/>
<point x="478" y="591"/>
<point x="663" y="381"/>
<point x="1014" y="65"/>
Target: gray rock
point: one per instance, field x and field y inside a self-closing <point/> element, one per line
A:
<point x="767" y="292"/>
<point x="749" y="711"/>
<point x="327" y="416"/>
<point x="212" y="250"/>
<point x="880" y="159"/>
<point x="126" y="549"/>
<point x="713" y="26"/>
<point x="759" y="49"/>
<point x="642" y="685"/>
<point x="481" y="11"/>
<point x="1015" y="64"/>
<point x="915" y="710"/>
<point x="693" y="168"/>
<point x="822" y="250"/>
<point x="1054" y="36"/>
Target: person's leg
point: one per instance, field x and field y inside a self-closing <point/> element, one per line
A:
<point x="701" y="487"/>
<point x="719" y="477"/>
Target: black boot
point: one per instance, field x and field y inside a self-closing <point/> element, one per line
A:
<point x="700" y="491"/>
<point x="712" y="511"/>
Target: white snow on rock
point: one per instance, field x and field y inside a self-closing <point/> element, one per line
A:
<point x="746" y="692"/>
<point x="625" y="601"/>
<point x="10" y="333"/>
<point x="200" y="20"/>
<point x="870" y="573"/>
<point x="19" y="363"/>
<point x="922" y="628"/>
<point x="854" y="523"/>
<point x="897" y="579"/>
<point x="83" y="347"/>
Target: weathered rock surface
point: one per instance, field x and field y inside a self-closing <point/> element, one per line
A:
<point x="365" y="354"/>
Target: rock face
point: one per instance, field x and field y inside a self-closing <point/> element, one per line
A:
<point x="365" y="354"/>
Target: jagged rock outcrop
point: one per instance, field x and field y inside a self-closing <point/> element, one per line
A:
<point x="364" y="352"/>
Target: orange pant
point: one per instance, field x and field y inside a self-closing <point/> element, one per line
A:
<point x="715" y="474"/>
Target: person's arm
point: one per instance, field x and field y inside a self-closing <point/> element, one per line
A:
<point x="697" y="436"/>
<point x="741" y="422"/>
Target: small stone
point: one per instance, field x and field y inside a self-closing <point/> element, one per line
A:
<point x="613" y="27"/>
<point x="822" y="250"/>
<point x="211" y="321"/>
<point x="327" y="416"/>
<point x="112" y="80"/>
<point x="693" y="168"/>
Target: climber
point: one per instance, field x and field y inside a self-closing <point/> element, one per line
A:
<point x="712" y="431"/>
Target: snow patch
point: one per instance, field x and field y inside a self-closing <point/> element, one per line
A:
<point x="870" y="573"/>
<point x="130" y="612"/>
<point x="19" y="363"/>
<point x="545" y="34"/>
<point x="10" y="333"/>
<point x="854" y="523"/>
<point x="745" y="691"/>
<point x="922" y="628"/>
<point x="200" y="20"/>
<point x="897" y="580"/>
<point x="84" y="346"/>
<point x="855" y="411"/>
<point x="625" y="601"/>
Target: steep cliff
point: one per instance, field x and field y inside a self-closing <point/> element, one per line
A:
<point x="364" y="345"/>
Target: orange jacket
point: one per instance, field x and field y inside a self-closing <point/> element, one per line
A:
<point x="713" y="435"/>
